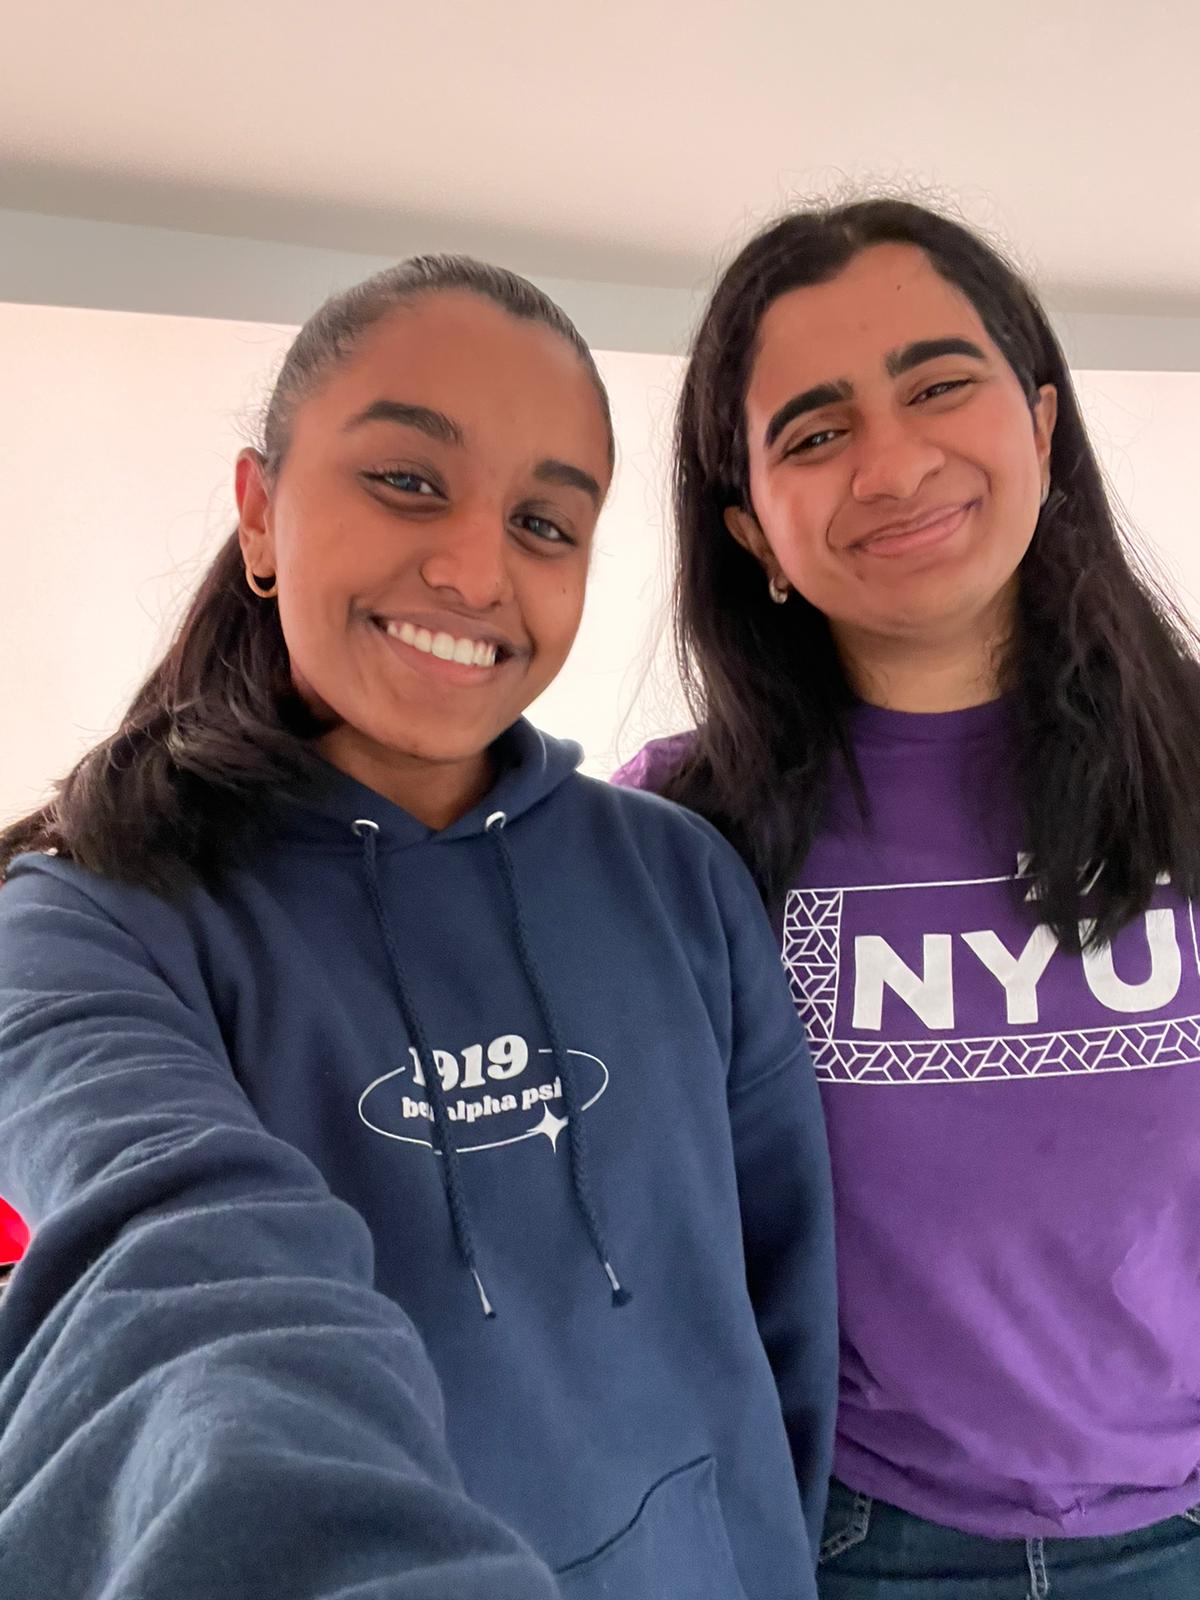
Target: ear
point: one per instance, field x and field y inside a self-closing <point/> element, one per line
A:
<point x="1045" y="415"/>
<point x="255" y="533"/>
<point x="743" y="525"/>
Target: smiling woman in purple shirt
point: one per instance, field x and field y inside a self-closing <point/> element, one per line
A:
<point x="952" y="728"/>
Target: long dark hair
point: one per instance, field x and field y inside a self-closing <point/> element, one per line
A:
<point x="217" y="725"/>
<point x="1101" y="665"/>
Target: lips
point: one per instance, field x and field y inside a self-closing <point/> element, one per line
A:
<point x="921" y="532"/>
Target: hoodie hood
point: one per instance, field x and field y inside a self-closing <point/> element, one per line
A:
<point x="530" y="767"/>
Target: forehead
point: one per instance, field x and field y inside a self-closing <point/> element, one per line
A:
<point x="505" y="380"/>
<point x="887" y="297"/>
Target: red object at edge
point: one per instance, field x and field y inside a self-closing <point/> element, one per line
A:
<point x="14" y="1235"/>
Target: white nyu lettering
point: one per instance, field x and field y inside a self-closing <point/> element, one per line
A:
<point x="1166" y="969"/>
<point x="929" y="994"/>
<point x="1018" y="974"/>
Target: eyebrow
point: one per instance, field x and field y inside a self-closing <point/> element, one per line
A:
<point x="915" y="355"/>
<point x="896" y="362"/>
<point x="566" y="476"/>
<point x="434" y="423"/>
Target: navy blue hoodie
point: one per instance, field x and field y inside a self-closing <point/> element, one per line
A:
<point x="549" y="1056"/>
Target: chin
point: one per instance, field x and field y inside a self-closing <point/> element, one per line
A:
<point x="437" y="747"/>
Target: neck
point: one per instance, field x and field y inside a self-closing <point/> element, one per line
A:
<point x="437" y="793"/>
<point x="950" y="670"/>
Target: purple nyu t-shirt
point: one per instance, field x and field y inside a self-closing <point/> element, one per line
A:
<point x="1015" y="1133"/>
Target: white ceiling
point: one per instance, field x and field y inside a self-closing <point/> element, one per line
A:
<point x="631" y="140"/>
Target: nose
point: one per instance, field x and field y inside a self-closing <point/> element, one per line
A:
<point x="893" y="462"/>
<point x="469" y="559"/>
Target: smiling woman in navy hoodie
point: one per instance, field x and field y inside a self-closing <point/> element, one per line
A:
<point x="342" y="1020"/>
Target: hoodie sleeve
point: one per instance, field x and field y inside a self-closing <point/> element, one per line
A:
<point x="200" y="1391"/>
<point x="782" y="1160"/>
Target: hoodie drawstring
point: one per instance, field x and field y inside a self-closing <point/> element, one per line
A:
<point x="460" y="1213"/>
<point x="460" y="1217"/>
<point x="576" y="1139"/>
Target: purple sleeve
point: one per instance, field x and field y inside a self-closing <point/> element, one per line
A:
<point x="653" y="764"/>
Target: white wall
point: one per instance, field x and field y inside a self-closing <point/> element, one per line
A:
<point x="1146" y="427"/>
<point x="120" y="431"/>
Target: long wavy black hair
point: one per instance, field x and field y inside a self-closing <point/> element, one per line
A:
<point x="217" y="725"/>
<point x="1101" y="664"/>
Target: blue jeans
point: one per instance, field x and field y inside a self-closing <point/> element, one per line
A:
<point x="873" y="1551"/>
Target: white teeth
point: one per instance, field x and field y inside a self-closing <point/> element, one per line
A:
<point x="466" y="652"/>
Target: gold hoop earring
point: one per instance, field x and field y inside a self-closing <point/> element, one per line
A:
<point x="778" y="589"/>
<point x="262" y="590"/>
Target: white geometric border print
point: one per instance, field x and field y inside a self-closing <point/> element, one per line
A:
<point x="811" y="939"/>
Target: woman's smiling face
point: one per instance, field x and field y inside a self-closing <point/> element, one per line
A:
<point x="896" y="465"/>
<point x="429" y="529"/>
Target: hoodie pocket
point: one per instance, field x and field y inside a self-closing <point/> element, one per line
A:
<point x="676" y="1547"/>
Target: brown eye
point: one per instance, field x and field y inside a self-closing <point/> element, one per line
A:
<point x="543" y="530"/>
<point x="813" y="441"/>
<point x="936" y="391"/>
<point x="405" y="482"/>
